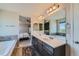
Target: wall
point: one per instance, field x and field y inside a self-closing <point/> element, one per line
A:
<point x="70" y="29"/>
<point x="8" y="23"/>
<point x="76" y="29"/>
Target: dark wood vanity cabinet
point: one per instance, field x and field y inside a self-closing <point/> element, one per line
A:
<point x="40" y="46"/>
<point x="50" y="51"/>
<point x="46" y="50"/>
<point x="35" y="42"/>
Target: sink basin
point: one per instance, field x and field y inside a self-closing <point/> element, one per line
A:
<point x="51" y="37"/>
<point x="45" y="38"/>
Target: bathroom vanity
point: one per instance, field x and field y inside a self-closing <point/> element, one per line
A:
<point x="48" y="47"/>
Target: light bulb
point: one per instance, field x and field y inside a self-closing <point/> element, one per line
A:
<point x="50" y="9"/>
<point x="41" y="17"/>
<point x="54" y="7"/>
<point x="47" y="11"/>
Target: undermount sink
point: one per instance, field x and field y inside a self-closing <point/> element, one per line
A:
<point x="45" y="38"/>
<point x="51" y="37"/>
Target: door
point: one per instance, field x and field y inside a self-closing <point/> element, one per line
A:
<point x="76" y="30"/>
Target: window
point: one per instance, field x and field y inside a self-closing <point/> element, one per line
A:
<point x="61" y="27"/>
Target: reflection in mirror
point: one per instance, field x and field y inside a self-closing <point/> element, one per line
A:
<point x="55" y="26"/>
<point x="61" y="27"/>
<point x="40" y="26"/>
<point x="58" y="23"/>
<point x="46" y="27"/>
<point x="35" y="27"/>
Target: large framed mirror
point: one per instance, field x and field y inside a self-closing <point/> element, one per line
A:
<point x="55" y="25"/>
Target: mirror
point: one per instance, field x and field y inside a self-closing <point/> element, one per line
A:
<point x="35" y="27"/>
<point x="40" y="26"/>
<point x="55" y="25"/>
<point x="61" y="27"/>
<point x="46" y="27"/>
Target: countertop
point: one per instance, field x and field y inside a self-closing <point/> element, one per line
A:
<point x="6" y="47"/>
<point x="61" y="38"/>
<point x="45" y="38"/>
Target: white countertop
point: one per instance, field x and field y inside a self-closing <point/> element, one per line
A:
<point x="6" y="47"/>
<point x="61" y="38"/>
<point x="45" y="38"/>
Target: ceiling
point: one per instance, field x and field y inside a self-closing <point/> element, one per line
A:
<point x="26" y="9"/>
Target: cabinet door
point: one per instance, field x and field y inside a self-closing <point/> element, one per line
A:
<point x="34" y="42"/>
<point x="48" y="50"/>
<point x="40" y="47"/>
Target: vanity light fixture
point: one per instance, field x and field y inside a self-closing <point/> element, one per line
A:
<point x="52" y="8"/>
<point x="49" y="10"/>
<point x="41" y="17"/>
